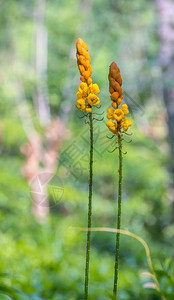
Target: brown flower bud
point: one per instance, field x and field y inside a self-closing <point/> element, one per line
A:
<point x="114" y="96"/>
<point x="115" y="81"/>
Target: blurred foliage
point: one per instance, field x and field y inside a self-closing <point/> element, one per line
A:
<point x="47" y="261"/>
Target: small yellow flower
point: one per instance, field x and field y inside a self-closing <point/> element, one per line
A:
<point x="124" y="108"/>
<point x="112" y="126"/>
<point x="83" y="87"/>
<point x="125" y="124"/>
<point x="88" y="109"/>
<point x="83" y="90"/>
<point x="93" y="100"/>
<point x="81" y="104"/>
<point x="110" y="113"/>
<point x="118" y="114"/>
<point x="129" y="123"/>
<point x="94" y="89"/>
<point x="79" y="95"/>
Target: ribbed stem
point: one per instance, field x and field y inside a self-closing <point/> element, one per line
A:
<point x="89" y="209"/>
<point x="118" y="216"/>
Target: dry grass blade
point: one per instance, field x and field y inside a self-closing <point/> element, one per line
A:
<point x="138" y="238"/>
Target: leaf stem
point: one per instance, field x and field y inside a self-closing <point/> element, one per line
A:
<point x="89" y="208"/>
<point x="118" y="216"/>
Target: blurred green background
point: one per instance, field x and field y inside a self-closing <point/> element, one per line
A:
<point x="42" y="139"/>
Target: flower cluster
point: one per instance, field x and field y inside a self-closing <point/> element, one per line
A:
<point x="87" y="91"/>
<point x="116" y="114"/>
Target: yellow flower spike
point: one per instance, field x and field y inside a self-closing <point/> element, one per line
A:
<point x="93" y="100"/>
<point x="83" y="58"/>
<point x="110" y="113"/>
<point x="86" y="99"/>
<point x="83" y="90"/>
<point x="124" y="108"/>
<point x="88" y="109"/>
<point x="87" y="90"/>
<point x="118" y="128"/>
<point x="118" y="114"/>
<point x="115" y="89"/>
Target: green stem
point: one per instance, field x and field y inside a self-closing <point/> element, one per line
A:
<point x="89" y="209"/>
<point x="118" y="216"/>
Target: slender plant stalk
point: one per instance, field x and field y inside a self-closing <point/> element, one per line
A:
<point x="89" y="208"/>
<point x="118" y="216"/>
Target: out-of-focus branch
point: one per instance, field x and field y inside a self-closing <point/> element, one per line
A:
<point x="32" y="152"/>
<point x="25" y="116"/>
<point x="41" y="99"/>
<point x="166" y="32"/>
<point x="37" y="154"/>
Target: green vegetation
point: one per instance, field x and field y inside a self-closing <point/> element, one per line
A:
<point x="47" y="261"/>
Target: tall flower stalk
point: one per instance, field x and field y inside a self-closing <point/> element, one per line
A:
<point x="118" y="124"/>
<point x="87" y="100"/>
